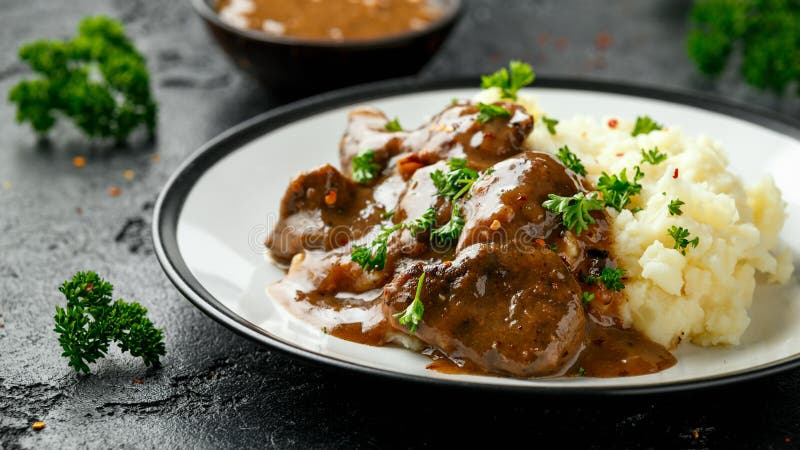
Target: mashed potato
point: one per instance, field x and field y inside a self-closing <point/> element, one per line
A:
<point x="703" y="296"/>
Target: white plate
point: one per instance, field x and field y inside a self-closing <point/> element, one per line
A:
<point x="214" y="213"/>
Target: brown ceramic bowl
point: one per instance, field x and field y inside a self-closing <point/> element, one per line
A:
<point x="298" y="66"/>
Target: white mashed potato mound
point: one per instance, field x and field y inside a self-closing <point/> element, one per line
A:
<point x="705" y="295"/>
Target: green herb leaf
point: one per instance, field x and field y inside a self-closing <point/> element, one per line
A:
<point x="574" y="210"/>
<point x="394" y="125"/>
<point x="364" y="169"/>
<point x="587" y="297"/>
<point x="449" y="232"/>
<point x="457" y="181"/>
<point x="97" y="79"/>
<point x="611" y="278"/>
<point x="412" y="315"/>
<point x="509" y="81"/>
<point x="488" y="112"/>
<point x="674" y="207"/>
<point x="581" y="372"/>
<point x="550" y="124"/>
<point x="644" y="125"/>
<point x="570" y="160"/>
<point x="373" y="255"/>
<point x="617" y="190"/>
<point x="422" y="223"/>
<point x="681" y="237"/>
<point x="90" y="322"/>
<point x="653" y="156"/>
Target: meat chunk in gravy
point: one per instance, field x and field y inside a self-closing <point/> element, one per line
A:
<point x="456" y="132"/>
<point x="497" y="308"/>
<point x="322" y="210"/>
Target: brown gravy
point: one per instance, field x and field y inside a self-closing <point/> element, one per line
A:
<point x="335" y="20"/>
<point x="504" y="299"/>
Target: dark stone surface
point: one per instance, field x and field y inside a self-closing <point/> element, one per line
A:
<point x="216" y="389"/>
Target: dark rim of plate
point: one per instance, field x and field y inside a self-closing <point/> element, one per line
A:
<point x="171" y="199"/>
<point x="205" y="10"/>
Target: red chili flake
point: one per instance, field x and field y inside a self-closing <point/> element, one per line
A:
<point x="675" y="174"/>
<point x="488" y="135"/>
<point x="138" y="381"/>
<point x="114" y="191"/>
<point x="330" y="197"/>
<point x="521" y="198"/>
<point x="79" y="161"/>
<point x="603" y="40"/>
<point x="612" y="123"/>
<point x="540" y="242"/>
<point x="542" y="39"/>
<point x="342" y="241"/>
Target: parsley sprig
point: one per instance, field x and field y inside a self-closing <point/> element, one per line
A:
<point x="653" y="156"/>
<point x="364" y="168"/>
<point x="413" y="313"/>
<point x="488" y="112"/>
<point x="570" y="160"/>
<point x="509" y="81"/>
<point x="617" y="190"/>
<point x="587" y="298"/>
<point x="550" y="124"/>
<point x="453" y="185"/>
<point x="644" y="125"/>
<point x="574" y="210"/>
<point x="611" y="278"/>
<point x="90" y="322"/>
<point x="681" y="237"/>
<point x="373" y="255"/>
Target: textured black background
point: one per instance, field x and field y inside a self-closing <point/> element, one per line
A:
<point x="216" y="389"/>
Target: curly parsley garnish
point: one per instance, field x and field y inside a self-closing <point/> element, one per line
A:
<point x="644" y="125"/>
<point x="674" y="207"/>
<point x="453" y="185"/>
<point x="682" y="241"/>
<point x="587" y="298"/>
<point x="373" y="255"/>
<point x="364" y="167"/>
<point x="413" y="313"/>
<point x="98" y="79"/>
<point x="422" y="223"/>
<point x="550" y="124"/>
<point x="509" y="81"/>
<point x="574" y="210"/>
<point x="488" y="112"/>
<point x="91" y="321"/>
<point x="394" y="125"/>
<point x="653" y="156"/>
<point x="617" y="190"/>
<point x="611" y="278"/>
<point x="570" y="160"/>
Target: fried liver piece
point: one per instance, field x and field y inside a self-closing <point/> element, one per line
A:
<point x="497" y="308"/>
<point x="322" y="210"/>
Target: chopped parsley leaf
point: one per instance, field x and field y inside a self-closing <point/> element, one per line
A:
<point x="550" y="124"/>
<point x="587" y="297"/>
<point x="682" y="241"/>
<point x="364" y="168"/>
<point x="413" y="313"/>
<point x="644" y="125"/>
<point x="570" y="160"/>
<point x="373" y="255"/>
<point x="674" y="207"/>
<point x="653" y="156"/>
<point x="423" y="222"/>
<point x="509" y="81"/>
<point x="394" y="125"/>
<point x="617" y="190"/>
<point x="488" y="112"/>
<point x="574" y="210"/>
<point x="611" y="278"/>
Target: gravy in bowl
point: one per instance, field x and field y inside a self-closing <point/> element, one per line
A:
<point x="335" y="20"/>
